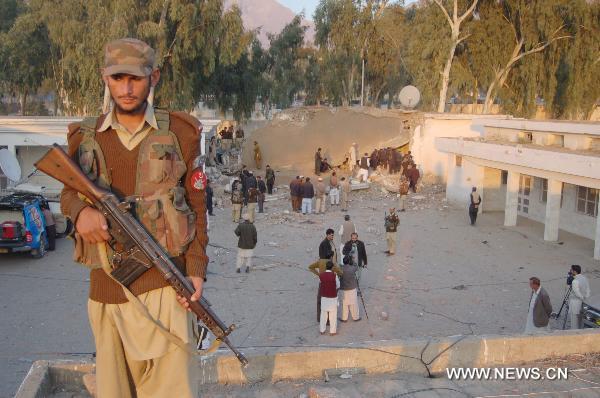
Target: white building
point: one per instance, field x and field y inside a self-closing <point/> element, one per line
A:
<point x="548" y="171"/>
<point x="28" y="138"/>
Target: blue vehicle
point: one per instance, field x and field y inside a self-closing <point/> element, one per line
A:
<point x="22" y="225"/>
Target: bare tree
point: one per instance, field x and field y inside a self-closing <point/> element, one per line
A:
<point x="501" y="73"/>
<point x="454" y="21"/>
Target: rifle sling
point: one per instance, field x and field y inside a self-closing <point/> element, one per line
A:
<point x="141" y="308"/>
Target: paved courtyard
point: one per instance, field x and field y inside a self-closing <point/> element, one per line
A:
<point x="448" y="278"/>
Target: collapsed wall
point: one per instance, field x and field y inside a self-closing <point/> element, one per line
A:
<point x="290" y="141"/>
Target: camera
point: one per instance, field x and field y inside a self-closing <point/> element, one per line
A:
<point x="570" y="278"/>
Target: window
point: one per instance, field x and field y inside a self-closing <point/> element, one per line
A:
<point x="458" y="160"/>
<point x="543" y="190"/>
<point x="504" y="177"/>
<point x="587" y="201"/>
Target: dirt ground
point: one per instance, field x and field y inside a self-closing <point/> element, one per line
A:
<point x="448" y="278"/>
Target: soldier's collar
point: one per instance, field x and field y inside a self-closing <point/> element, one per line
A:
<point x="110" y="121"/>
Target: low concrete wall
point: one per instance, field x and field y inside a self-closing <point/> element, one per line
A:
<point x="412" y="356"/>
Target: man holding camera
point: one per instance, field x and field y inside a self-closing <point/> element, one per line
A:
<point x="580" y="292"/>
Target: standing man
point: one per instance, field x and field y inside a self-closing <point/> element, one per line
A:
<point x="237" y="199"/>
<point x="270" y="178"/>
<point x="318" y="160"/>
<point x="363" y="173"/>
<point x="334" y="189"/>
<point x="391" y="226"/>
<point x="353" y="156"/>
<point x="330" y="283"/>
<point x="404" y="186"/>
<point x="474" y="205"/>
<point x="327" y="248"/>
<point x="349" y="286"/>
<point x="294" y="185"/>
<point x="356" y="250"/>
<point x="345" y="187"/>
<point x="413" y="176"/>
<point x="540" y="308"/>
<point x="317" y="268"/>
<point x="580" y="292"/>
<point x="50" y="225"/>
<point x="252" y="202"/>
<point x="307" y="194"/>
<point x="132" y="358"/>
<point x="321" y="195"/>
<point x="209" y="198"/>
<point x="257" y="155"/>
<point x="239" y="137"/>
<point x="261" y="193"/>
<point x="247" y="239"/>
<point x="346" y="230"/>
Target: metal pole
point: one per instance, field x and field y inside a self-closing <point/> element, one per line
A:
<point x="362" y="85"/>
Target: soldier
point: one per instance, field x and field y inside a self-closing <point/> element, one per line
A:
<point x="257" y="155"/>
<point x="237" y="199"/>
<point x="270" y="177"/>
<point x="252" y="198"/>
<point x="294" y="192"/>
<point x="391" y="226"/>
<point x="403" y="192"/>
<point x="140" y="152"/>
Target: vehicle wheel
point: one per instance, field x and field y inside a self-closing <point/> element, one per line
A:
<point x="41" y="251"/>
<point x="68" y="230"/>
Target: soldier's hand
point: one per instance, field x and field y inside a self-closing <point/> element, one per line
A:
<point x="198" y="283"/>
<point x="92" y="226"/>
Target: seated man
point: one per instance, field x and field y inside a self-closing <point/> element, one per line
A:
<point x="325" y="166"/>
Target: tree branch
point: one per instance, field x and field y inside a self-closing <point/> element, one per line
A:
<point x="469" y="11"/>
<point x="439" y="3"/>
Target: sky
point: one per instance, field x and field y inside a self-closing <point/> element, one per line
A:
<point x="308" y="6"/>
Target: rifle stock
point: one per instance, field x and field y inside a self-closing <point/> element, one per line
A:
<point x="141" y="251"/>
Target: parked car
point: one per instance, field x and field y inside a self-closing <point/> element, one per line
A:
<point x="22" y="225"/>
<point x="591" y="312"/>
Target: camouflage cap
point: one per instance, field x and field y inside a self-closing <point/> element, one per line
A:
<point x="128" y="56"/>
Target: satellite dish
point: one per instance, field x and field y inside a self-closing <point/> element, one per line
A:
<point x="10" y="165"/>
<point x="410" y="96"/>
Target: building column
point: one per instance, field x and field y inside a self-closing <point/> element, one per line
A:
<point x="512" y="197"/>
<point x="552" y="210"/>
<point x="597" y="241"/>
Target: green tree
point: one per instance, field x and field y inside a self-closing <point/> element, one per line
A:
<point x="23" y="56"/>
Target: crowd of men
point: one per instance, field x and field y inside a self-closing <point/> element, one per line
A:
<point x="224" y="141"/>
<point x="303" y="191"/>
<point x="248" y="190"/>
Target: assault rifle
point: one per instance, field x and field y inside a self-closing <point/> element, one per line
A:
<point x="140" y="251"/>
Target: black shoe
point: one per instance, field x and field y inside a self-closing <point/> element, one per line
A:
<point x="341" y="320"/>
<point x="247" y="269"/>
<point x="356" y="320"/>
<point x="238" y="270"/>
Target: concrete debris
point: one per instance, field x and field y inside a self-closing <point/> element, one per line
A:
<point x="273" y="244"/>
<point x="325" y="392"/>
<point x="384" y="316"/>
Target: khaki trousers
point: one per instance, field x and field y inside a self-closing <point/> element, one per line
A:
<point x="349" y="304"/>
<point x="391" y="241"/>
<point x="133" y="358"/>
<point x="251" y="211"/>
<point x="320" y="204"/>
<point x="236" y="209"/>
<point x="402" y="205"/>
<point x="344" y="204"/>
